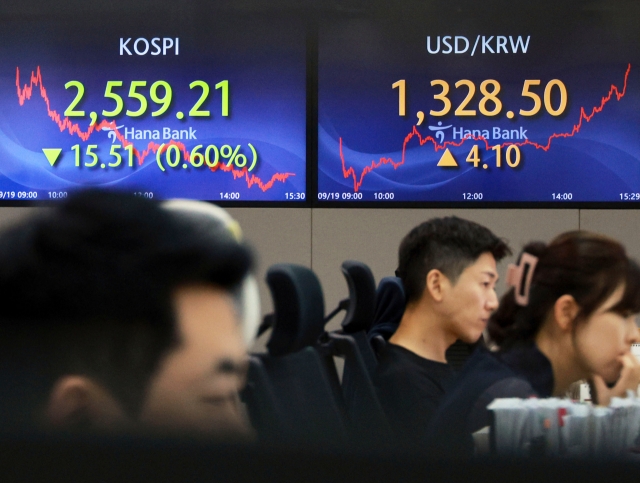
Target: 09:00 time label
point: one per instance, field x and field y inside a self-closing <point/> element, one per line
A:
<point x="337" y="196"/>
<point x="21" y="195"/>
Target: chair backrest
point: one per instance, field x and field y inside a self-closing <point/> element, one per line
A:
<point x="378" y="343"/>
<point x="366" y="420"/>
<point x="303" y="391"/>
<point x="360" y="307"/>
<point x="298" y="308"/>
<point x="301" y="370"/>
<point x="265" y="412"/>
<point x="367" y="423"/>
<point x="362" y="297"/>
<point x="390" y="304"/>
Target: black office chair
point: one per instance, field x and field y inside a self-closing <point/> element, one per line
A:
<point x="298" y="304"/>
<point x="262" y="405"/>
<point x="362" y="295"/>
<point x="366" y="418"/>
<point x="390" y="304"/>
<point x="303" y="387"/>
<point x="360" y="308"/>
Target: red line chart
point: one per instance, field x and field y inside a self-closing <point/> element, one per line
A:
<point x="65" y="124"/>
<point x="584" y="117"/>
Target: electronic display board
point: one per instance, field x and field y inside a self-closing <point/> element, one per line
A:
<point x="518" y="102"/>
<point x="193" y="104"/>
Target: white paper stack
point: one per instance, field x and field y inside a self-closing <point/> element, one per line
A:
<point x="563" y="427"/>
<point x="511" y="420"/>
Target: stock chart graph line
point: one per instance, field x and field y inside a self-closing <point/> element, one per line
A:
<point x="65" y="124"/>
<point x="584" y="117"/>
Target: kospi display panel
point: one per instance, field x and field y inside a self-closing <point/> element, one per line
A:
<point x="488" y="103"/>
<point x="189" y="103"/>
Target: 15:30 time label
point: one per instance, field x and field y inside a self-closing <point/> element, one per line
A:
<point x="160" y="93"/>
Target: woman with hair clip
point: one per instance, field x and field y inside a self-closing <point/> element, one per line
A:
<point x="569" y="316"/>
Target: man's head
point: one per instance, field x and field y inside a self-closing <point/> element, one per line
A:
<point x="450" y="264"/>
<point x="114" y="311"/>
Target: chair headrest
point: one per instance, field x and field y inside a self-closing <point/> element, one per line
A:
<point x="390" y="304"/>
<point x="362" y="297"/>
<point x="298" y="308"/>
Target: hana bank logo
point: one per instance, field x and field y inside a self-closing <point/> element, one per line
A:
<point x="112" y="132"/>
<point x="494" y="132"/>
<point x="439" y="131"/>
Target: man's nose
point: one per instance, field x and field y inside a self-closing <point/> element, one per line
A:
<point x="492" y="303"/>
<point x="634" y="334"/>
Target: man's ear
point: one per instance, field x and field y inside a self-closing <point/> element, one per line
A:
<point x="437" y="283"/>
<point x="77" y="402"/>
<point x="565" y="311"/>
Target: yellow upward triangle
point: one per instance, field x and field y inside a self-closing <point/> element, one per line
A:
<point x="447" y="159"/>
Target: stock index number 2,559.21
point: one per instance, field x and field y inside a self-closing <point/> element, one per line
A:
<point x="160" y="93"/>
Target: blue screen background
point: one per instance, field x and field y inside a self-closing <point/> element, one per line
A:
<point x="263" y="61"/>
<point x="360" y="59"/>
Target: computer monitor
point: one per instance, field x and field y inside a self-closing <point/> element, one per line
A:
<point x="480" y="104"/>
<point x="174" y="99"/>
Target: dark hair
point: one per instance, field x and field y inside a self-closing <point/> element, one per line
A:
<point x="87" y="289"/>
<point x="585" y="265"/>
<point x="448" y="244"/>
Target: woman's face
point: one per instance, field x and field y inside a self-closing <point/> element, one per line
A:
<point x="604" y="338"/>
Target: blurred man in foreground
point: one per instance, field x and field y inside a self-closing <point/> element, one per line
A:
<point x="118" y="314"/>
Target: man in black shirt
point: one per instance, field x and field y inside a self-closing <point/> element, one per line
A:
<point x="448" y="269"/>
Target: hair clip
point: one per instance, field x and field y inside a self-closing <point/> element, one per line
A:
<point x="520" y="276"/>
